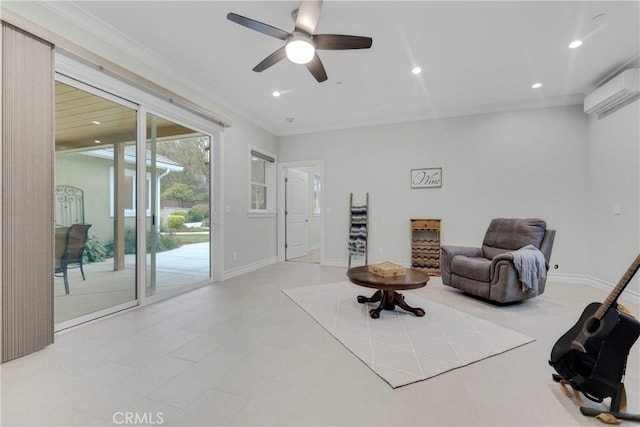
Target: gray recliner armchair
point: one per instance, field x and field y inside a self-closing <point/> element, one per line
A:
<point x="489" y="272"/>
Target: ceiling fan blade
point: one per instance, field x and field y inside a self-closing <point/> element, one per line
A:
<point x="341" y="42"/>
<point x="258" y="26"/>
<point x="270" y="60"/>
<point x="316" y="68"/>
<point x="308" y="16"/>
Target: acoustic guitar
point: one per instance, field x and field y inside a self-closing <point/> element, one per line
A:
<point x="592" y="355"/>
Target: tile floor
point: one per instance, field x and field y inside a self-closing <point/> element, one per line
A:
<point x="313" y="257"/>
<point x="242" y="353"/>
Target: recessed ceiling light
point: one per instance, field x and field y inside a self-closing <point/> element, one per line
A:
<point x="276" y="93"/>
<point x="95" y="122"/>
<point x="574" y="44"/>
<point x="416" y="70"/>
<point x="536" y="85"/>
<point x="97" y="141"/>
<point x="289" y="119"/>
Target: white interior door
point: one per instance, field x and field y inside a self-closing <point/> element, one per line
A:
<point x="296" y="214"/>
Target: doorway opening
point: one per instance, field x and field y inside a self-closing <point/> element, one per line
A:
<point x="301" y="222"/>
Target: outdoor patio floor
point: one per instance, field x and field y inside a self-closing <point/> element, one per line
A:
<point x="105" y="287"/>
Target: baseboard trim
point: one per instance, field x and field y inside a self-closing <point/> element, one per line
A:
<point x="555" y="277"/>
<point x="234" y="272"/>
<point x="583" y="278"/>
<point x="343" y="263"/>
<point x="558" y="278"/>
<point x="335" y="263"/>
<point x="568" y="278"/>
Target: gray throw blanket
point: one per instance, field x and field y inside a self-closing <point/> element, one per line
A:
<point x="531" y="265"/>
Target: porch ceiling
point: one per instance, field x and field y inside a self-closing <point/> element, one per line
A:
<point x="84" y="120"/>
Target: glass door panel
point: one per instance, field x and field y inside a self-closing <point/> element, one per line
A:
<point x="95" y="204"/>
<point x="178" y="206"/>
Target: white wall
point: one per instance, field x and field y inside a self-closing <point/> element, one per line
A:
<point x="252" y="239"/>
<point x="518" y="164"/>
<point x="614" y="163"/>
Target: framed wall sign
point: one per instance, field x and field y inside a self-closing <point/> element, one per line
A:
<point x="426" y="178"/>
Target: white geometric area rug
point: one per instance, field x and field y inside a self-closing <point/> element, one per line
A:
<point x="400" y="347"/>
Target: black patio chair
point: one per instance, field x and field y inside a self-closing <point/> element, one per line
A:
<point x="70" y="245"/>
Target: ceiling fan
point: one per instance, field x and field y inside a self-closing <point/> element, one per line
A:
<point x="301" y="44"/>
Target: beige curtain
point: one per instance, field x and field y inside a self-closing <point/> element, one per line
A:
<point x="26" y="193"/>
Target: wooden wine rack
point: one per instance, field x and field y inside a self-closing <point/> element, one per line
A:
<point x="425" y="245"/>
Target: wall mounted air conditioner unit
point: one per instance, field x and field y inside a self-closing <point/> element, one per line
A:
<point x="617" y="92"/>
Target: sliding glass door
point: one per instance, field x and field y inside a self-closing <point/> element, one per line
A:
<point x="178" y="206"/>
<point x="95" y="204"/>
<point x="132" y="198"/>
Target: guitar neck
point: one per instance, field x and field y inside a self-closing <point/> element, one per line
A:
<point x="615" y="293"/>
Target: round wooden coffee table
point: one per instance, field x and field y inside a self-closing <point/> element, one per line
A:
<point x="387" y="287"/>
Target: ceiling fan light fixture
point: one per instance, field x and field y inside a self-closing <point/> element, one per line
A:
<point x="301" y="44"/>
<point x="300" y="49"/>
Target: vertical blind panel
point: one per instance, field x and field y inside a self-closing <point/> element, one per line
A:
<point x="27" y="193"/>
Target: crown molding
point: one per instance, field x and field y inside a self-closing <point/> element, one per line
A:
<point x="131" y="47"/>
<point x="550" y="102"/>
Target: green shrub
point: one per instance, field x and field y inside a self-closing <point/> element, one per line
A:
<point x="174" y="222"/>
<point x="178" y="191"/>
<point x="94" y="251"/>
<point x="198" y="213"/>
<point x="163" y="226"/>
<point x="129" y="243"/>
<point x="108" y="248"/>
<point x="164" y="242"/>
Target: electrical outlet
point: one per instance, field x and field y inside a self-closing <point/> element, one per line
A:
<point x="235" y="256"/>
<point x="380" y="251"/>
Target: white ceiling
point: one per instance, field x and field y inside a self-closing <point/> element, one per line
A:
<point x="476" y="56"/>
